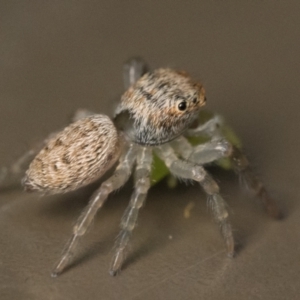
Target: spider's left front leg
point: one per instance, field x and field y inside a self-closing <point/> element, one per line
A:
<point x="129" y="219"/>
<point x="188" y="170"/>
<point x="220" y="147"/>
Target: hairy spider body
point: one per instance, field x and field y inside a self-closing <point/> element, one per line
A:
<point x="83" y="151"/>
<point x="162" y="104"/>
<point x="155" y="114"/>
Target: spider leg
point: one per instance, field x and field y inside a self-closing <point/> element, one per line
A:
<point x="11" y="176"/>
<point x="119" y="177"/>
<point x="81" y="113"/>
<point x="188" y="170"/>
<point x="211" y="127"/>
<point x="129" y="219"/>
<point x="203" y="153"/>
<point x="243" y="169"/>
<point x="239" y="160"/>
<point x="133" y="69"/>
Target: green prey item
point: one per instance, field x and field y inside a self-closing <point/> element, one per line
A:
<point x="160" y="170"/>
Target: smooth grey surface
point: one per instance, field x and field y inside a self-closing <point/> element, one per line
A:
<point x="57" y="56"/>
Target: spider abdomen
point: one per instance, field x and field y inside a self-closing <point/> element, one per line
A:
<point x="74" y="157"/>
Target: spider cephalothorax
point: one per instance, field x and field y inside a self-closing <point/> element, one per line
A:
<point x="162" y="104"/>
<point x="154" y="115"/>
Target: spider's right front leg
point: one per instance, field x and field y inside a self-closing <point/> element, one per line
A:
<point x="189" y="170"/>
<point x="119" y="177"/>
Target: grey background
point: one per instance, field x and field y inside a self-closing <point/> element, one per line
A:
<point x="57" y="56"/>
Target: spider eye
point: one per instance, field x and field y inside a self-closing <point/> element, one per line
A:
<point x="195" y="100"/>
<point x="182" y="106"/>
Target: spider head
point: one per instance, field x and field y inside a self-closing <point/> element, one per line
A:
<point x="159" y="107"/>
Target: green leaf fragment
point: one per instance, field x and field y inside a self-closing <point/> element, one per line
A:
<point x="159" y="170"/>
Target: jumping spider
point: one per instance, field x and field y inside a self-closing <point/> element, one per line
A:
<point x="157" y="112"/>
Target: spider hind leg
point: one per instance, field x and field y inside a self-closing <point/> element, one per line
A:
<point x="10" y="177"/>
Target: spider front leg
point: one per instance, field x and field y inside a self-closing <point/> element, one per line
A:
<point x="209" y="128"/>
<point x="129" y="219"/>
<point x="203" y="153"/>
<point x="119" y="177"/>
<point x="242" y="168"/>
<point x="189" y="170"/>
<point x="220" y="147"/>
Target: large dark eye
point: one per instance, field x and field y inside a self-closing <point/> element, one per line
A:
<point x="182" y="106"/>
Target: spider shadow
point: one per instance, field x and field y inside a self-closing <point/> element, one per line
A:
<point x="10" y="188"/>
<point x="247" y="213"/>
<point x="100" y="247"/>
